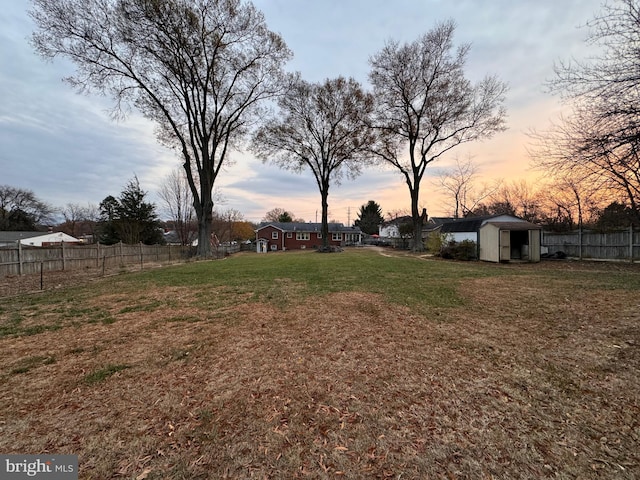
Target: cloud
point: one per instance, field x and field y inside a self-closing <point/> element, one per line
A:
<point x="66" y="148"/>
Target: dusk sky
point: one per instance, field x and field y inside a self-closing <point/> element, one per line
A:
<point x="65" y="147"/>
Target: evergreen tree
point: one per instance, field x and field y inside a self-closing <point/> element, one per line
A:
<point x="129" y="218"/>
<point x="617" y="215"/>
<point x="285" y="217"/>
<point x="108" y="218"/>
<point x="369" y="217"/>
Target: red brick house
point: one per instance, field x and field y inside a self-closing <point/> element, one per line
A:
<point x="274" y="236"/>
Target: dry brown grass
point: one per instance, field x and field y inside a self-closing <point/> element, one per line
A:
<point x="532" y="378"/>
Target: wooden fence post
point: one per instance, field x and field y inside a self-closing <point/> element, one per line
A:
<point x="141" y="256"/>
<point x="580" y="242"/>
<point x="19" y="257"/>
<point x="631" y="243"/>
<point x="63" y="257"/>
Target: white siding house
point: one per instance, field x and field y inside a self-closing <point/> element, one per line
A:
<point x="391" y="229"/>
<point x="56" y="238"/>
<point x="35" y="239"/>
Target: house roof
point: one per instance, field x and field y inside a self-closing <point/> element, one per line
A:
<point x="440" y="220"/>
<point x="12" y="236"/>
<point x="49" y="237"/>
<point x="515" y="225"/>
<point x="308" y="227"/>
<point x="398" y="221"/>
<point x="473" y="224"/>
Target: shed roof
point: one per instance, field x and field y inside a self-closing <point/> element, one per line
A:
<point x="515" y="225"/>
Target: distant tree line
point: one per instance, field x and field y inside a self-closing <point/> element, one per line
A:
<point x="558" y="206"/>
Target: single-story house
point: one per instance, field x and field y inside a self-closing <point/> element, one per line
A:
<point x="499" y="238"/>
<point x="274" y="236"/>
<point x="391" y="229"/>
<point x="434" y="223"/>
<point x="36" y="239"/>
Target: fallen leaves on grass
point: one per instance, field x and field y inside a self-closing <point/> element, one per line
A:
<point x="344" y="385"/>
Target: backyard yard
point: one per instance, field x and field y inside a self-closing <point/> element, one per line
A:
<point x="349" y="365"/>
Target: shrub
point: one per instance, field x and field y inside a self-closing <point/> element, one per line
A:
<point x="435" y="242"/>
<point x="465" y="250"/>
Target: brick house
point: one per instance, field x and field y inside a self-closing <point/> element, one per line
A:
<point x="274" y="236"/>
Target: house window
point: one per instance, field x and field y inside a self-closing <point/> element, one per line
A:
<point x="302" y="236"/>
<point x="336" y="236"/>
<point x="274" y="235"/>
<point x="319" y="235"/>
<point x="289" y="235"/>
<point x="274" y="247"/>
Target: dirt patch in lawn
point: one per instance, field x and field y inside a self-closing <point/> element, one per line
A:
<point x="521" y="382"/>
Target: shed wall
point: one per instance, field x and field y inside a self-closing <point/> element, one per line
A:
<point x="534" y="245"/>
<point x="490" y="243"/>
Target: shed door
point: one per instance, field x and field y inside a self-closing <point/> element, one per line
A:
<point x="505" y="245"/>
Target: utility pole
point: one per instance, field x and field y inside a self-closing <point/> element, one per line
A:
<point x="348" y="216"/>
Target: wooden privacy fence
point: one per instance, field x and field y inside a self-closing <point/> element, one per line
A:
<point x="619" y="245"/>
<point x="21" y="260"/>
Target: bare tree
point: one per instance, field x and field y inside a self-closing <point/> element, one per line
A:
<point x="460" y="183"/>
<point x="520" y="198"/>
<point x="600" y="140"/>
<point x="395" y="214"/>
<point x="178" y="205"/>
<point x="199" y="69"/>
<point x="280" y="215"/>
<point x="20" y="209"/>
<point x="80" y="220"/>
<point x="426" y="106"/>
<point x="73" y="214"/>
<point x="223" y="224"/>
<point x="323" y="127"/>
<point x="584" y="148"/>
<point x="608" y="81"/>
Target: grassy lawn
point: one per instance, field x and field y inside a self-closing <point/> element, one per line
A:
<point x="363" y="364"/>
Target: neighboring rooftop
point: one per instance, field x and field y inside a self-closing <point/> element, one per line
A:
<point x="308" y="227"/>
<point x="11" y="236"/>
<point x="473" y="224"/>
